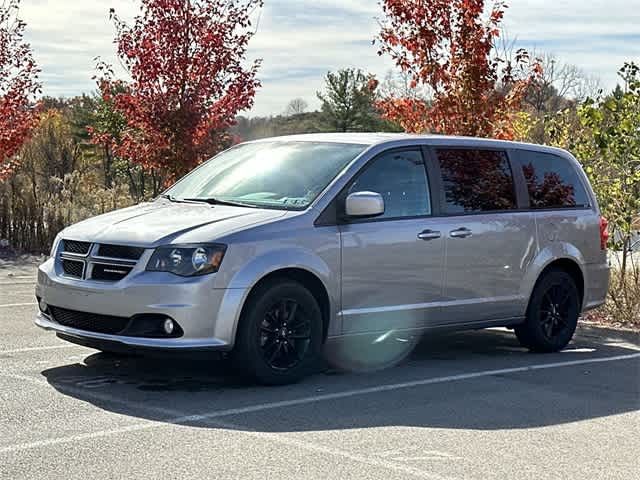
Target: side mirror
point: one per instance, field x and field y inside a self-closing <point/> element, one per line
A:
<point x="364" y="204"/>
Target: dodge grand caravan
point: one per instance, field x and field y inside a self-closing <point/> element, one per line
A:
<point x="277" y="246"/>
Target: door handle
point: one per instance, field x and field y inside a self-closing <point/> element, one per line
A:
<point x="429" y="235"/>
<point x="460" y="233"/>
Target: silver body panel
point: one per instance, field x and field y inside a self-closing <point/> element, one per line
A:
<point x="378" y="275"/>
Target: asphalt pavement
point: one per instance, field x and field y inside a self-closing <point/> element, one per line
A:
<point x="471" y="405"/>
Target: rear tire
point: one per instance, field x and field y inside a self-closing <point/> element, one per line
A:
<point x="279" y="337"/>
<point x="552" y="314"/>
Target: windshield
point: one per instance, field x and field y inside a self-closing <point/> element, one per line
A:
<point x="284" y="175"/>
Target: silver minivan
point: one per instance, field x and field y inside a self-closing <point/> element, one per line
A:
<point x="278" y="247"/>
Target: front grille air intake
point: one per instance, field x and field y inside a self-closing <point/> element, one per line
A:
<point x="79" y="248"/>
<point x="90" y="322"/>
<point x="73" y="268"/>
<point x="120" y="251"/>
<point x="109" y="273"/>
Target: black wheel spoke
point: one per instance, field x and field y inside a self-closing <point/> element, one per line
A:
<point x="294" y="350"/>
<point x="283" y="311"/>
<point x="269" y="344"/>
<point x="299" y="325"/>
<point x="292" y="313"/>
<point x="270" y="318"/>
<point x="549" y="328"/>
<point x="299" y="336"/>
<point x="275" y="352"/>
<point x="565" y="299"/>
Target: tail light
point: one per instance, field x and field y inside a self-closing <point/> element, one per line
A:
<point x="604" y="233"/>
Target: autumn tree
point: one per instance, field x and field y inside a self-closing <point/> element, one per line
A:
<point x="447" y="47"/>
<point x="188" y="80"/>
<point x="18" y="86"/>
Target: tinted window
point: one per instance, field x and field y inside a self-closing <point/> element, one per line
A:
<point x="401" y="179"/>
<point x="476" y="180"/>
<point x="552" y="181"/>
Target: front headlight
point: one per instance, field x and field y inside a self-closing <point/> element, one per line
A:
<point x="187" y="260"/>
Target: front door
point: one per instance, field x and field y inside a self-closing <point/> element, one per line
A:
<point x="392" y="264"/>
<point x="489" y="244"/>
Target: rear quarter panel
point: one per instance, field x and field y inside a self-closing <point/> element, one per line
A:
<point x="572" y="234"/>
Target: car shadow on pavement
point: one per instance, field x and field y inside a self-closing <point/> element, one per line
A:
<point x="164" y="389"/>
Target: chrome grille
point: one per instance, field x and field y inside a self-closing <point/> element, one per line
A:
<point x="101" y="262"/>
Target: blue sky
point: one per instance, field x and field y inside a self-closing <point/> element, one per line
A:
<point x="300" y="40"/>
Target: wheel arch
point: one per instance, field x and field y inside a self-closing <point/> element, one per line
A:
<point x="304" y="277"/>
<point x="570" y="264"/>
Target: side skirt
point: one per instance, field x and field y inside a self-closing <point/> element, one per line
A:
<point x="454" y="327"/>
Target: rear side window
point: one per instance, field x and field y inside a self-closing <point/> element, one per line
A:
<point x="400" y="177"/>
<point x="552" y="181"/>
<point x="476" y="180"/>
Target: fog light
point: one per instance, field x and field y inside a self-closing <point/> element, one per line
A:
<point x="168" y="326"/>
<point x="43" y="306"/>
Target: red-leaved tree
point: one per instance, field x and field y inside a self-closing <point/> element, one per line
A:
<point x="188" y="80"/>
<point x="447" y="46"/>
<point x="18" y="86"/>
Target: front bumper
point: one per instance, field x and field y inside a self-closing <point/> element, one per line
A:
<point x="96" y="339"/>
<point x="207" y="316"/>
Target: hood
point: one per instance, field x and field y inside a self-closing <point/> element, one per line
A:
<point x="163" y="222"/>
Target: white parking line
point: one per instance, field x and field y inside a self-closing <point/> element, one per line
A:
<point x="180" y="419"/>
<point x="207" y="417"/>
<point x="9" y="305"/>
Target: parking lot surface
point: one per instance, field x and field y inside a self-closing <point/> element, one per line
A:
<point x="471" y="405"/>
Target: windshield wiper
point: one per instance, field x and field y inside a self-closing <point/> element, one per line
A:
<point x="217" y="201"/>
<point x="170" y="197"/>
<point x="173" y="199"/>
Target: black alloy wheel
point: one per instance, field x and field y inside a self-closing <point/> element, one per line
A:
<point x="280" y="334"/>
<point x="552" y="315"/>
<point x="285" y="334"/>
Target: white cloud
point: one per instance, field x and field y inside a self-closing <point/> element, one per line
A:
<point x="299" y="40"/>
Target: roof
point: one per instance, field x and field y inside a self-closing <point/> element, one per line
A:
<point x="355" y="138"/>
<point x="383" y="138"/>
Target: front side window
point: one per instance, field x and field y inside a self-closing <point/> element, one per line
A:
<point x="476" y="180"/>
<point x="282" y="175"/>
<point x="552" y="181"/>
<point x="400" y="177"/>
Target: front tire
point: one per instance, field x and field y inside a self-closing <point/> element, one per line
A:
<point x="552" y="315"/>
<point x="279" y="337"/>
